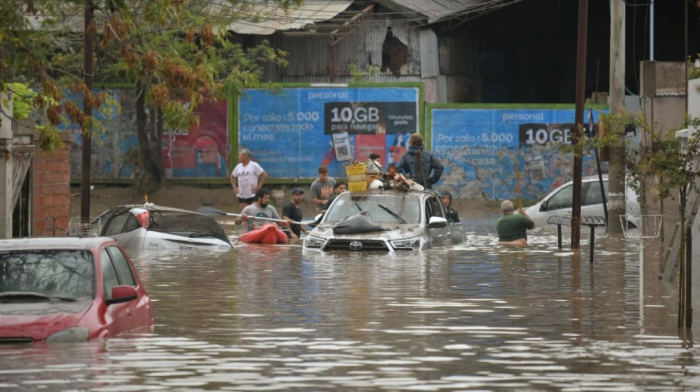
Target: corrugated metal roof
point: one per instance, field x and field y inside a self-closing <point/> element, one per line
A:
<point x="436" y="10"/>
<point x="266" y="19"/>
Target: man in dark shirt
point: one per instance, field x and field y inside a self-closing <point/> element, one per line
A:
<point x="292" y="212"/>
<point x="452" y="214"/>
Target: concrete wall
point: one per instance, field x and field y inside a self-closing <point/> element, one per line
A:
<point x="51" y="174"/>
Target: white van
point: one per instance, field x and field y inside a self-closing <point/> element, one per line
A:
<point x="558" y="203"/>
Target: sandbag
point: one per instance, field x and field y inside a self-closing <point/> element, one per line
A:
<point x="357" y="224"/>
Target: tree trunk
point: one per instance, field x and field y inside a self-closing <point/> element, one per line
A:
<point x="150" y="130"/>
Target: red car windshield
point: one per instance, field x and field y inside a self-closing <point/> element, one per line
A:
<point x="65" y="274"/>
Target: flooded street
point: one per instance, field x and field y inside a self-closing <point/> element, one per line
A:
<point x="471" y="317"/>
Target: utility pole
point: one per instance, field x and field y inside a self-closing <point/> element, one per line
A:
<point x="87" y="132"/>
<point x="616" y="175"/>
<point x="581" y="44"/>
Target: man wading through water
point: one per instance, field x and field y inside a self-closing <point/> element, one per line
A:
<point x="512" y="228"/>
<point x="423" y="167"/>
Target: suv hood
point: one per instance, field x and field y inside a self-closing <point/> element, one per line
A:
<point x="39" y="320"/>
<point x="392" y="232"/>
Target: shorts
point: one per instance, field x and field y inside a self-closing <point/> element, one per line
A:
<point x="250" y="200"/>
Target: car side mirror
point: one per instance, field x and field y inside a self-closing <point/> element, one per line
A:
<point x="121" y="294"/>
<point x="436" y="221"/>
<point x="543" y="205"/>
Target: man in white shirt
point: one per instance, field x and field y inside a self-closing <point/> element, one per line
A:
<point x="250" y="177"/>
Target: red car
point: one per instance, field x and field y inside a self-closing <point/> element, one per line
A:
<point x="60" y="290"/>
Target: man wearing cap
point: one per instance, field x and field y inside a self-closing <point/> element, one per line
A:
<point x="292" y="212"/>
<point x="452" y="214"/>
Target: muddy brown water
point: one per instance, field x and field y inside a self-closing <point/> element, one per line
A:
<point x="471" y="317"/>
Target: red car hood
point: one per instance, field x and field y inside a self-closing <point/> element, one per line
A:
<point x="38" y="320"/>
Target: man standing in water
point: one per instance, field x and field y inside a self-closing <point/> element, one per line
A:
<point x="452" y="214"/>
<point x="251" y="177"/>
<point x="512" y="228"/>
<point x="292" y="212"/>
<point x="322" y="188"/>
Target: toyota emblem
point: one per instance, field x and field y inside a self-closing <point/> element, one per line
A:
<point x="356" y="245"/>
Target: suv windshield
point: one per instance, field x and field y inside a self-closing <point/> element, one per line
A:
<point x="382" y="208"/>
<point x="53" y="273"/>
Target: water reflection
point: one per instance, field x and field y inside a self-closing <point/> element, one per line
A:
<point x="476" y="316"/>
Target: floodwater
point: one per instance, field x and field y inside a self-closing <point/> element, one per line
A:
<point x="475" y="317"/>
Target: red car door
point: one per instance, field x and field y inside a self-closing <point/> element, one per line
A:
<point x="139" y="310"/>
<point x="116" y="315"/>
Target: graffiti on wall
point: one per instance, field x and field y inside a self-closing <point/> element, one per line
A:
<point x="202" y="150"/>
<point x="293" y="132"/>
<point x="480" y="148"/>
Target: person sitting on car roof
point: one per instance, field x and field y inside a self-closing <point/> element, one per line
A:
<point x="259" y="209"/>
<point x="512" y="228"/>
<point x="452" y="214"/>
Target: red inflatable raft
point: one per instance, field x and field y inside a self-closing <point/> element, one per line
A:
<point x="268" y="234"/>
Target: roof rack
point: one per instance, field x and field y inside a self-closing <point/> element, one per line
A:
<point x="84" y="228"/>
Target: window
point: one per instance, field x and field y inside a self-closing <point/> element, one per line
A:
<point x="55" y="273"/>
<point x="126" y="276"/>
<point x="434" y="208"/>
<point x="131" y="223"/>
<point x="109" y="275"/>
<point x="116" y="225"/>
<point x="593" y="195"/>
<point x="562" y="199"/>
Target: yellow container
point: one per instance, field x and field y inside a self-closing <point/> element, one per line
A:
<point x="356" y="177"/>
<point x="357" y="186"/>
<point x="356" y="168"/>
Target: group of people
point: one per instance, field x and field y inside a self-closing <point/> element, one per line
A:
<point x="248" y="178"/>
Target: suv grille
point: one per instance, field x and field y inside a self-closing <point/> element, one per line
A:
<point x="345" y="245"/>
<point x="16" y="341"/>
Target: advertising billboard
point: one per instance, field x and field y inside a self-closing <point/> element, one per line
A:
<point x="480" y="147"/>
<point x="293" y="131"/>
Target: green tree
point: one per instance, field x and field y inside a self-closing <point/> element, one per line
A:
<point x="672" y="163"/>
<point x="176" y="52"/>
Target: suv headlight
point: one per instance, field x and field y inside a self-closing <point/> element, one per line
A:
<point x="69" y="335"/>
<point x="410" y="243"/>
<point x="314" y="242"/>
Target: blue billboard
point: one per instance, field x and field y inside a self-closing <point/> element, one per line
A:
<point x="481" y="146"/>
<point x="293" y="131"/>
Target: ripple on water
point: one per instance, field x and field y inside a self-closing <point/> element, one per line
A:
<point x="476" y="316"/>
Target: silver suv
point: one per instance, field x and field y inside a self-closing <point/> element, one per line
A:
<point x="409" y="221"/>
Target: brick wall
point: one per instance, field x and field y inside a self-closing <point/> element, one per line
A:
<point x="51" y="177"/>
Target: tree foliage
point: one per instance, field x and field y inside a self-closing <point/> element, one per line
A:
<point x="176" y="52"/>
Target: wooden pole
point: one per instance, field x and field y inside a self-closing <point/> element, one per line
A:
<point x="582" y="42"/>
<point x="87" y="136"/>
<point x="517" y="185"/>
<point x="616" y="172"/>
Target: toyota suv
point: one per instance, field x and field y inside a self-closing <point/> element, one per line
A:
<point x="404" y="221"/>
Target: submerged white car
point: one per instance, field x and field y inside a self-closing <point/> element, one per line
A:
<point x="397" y="221"/>
<point x="152" y="227"/>
<point x="558" y="203"/>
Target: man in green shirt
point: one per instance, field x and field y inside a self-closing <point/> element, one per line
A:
<point x="512" y="227"/>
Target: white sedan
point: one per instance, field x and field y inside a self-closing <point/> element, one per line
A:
<point x="558" y="203"/>
<point x="151" y="227"/>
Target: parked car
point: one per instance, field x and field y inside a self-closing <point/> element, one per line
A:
<point x="152" y="227"/>
<point x="558" y="203"/>
<point x="62" y="290"/>
<point x="409" y="220"/>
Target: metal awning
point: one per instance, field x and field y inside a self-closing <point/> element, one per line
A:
<point x="263" y="18"/>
